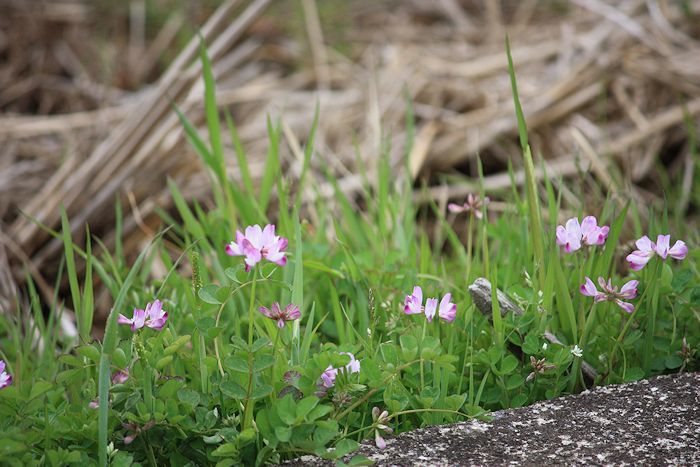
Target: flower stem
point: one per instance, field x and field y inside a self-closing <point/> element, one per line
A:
<point x="652" y="305"/>
<point x="251" y="308"/>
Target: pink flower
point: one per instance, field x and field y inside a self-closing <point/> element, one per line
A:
<point x="610" y="293"/>
<point x="290" y="313"/>
<point x="5" y="378"/>
<point x="646" y="250"/>
<point x="328" y="376"/>
<point x="380" y="419"/>
<point x="572" y="235"/>
<point x="258" y="244"/>
<point x="154" y="317"/>
<point x="413" y="304"/>
<point x="472" y="206"/>
<point x="94" y="404"/>
<point x="121" y="376"/>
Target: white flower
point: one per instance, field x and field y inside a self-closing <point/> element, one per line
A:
<point x="544" y="346"/>
<point x="577" y="351"/>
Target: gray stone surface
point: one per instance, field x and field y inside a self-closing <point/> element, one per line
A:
<point x="650" y="422"/>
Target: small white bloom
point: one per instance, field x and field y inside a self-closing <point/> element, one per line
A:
<point x="544" y="346"/>
<point x="577" y="351"/>
<point x="369" y="332"/>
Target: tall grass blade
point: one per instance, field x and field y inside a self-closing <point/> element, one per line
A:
<point x="536" y="230"/>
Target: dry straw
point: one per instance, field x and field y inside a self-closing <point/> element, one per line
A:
<point x="605" y="86"/>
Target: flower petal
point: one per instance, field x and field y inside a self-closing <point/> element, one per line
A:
<point x="431" y="305"/>
<point x="645" y="245"/>
<point x="588" y="288"/>
<point x="663" y="243"/>
<point x="679" y="250"/>
<point x="629" y="290"/>
<point x="447" y="310"/>
<point x="628" y="307"/>
<point x="638" y="259"/>
<point x="588" y="225"/>
<point x="452" y="207"/>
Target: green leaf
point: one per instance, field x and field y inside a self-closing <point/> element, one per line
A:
<point x="305" y="406"/>
<point x="238" y="343"/>
<point x="409" y="347"/>
<point x="89" y="352"/>
<point x="208" y="294"/>
<point x="169" y="388"/>
<point x="188" y="396"/>
<point x="233" y="390"/>
<point x="262" y="362"/>
<point x="283" y="433"/>
<point x="39" y="388"/>
<point x="225" y="450"/>
<point x="260" y="391"/>
<point x="286" y="409"/>
<point x="163" y="362"/>
<point x="509" y="364"/>
<point x="204" y="324"/>
<point x="673" y="361"/>
<point x="119" y="358"/>
<point x="318" y="412"/>
<point x="260" y="343"/>
<point x="346" y="446"/>
<point x="236" y="363"/>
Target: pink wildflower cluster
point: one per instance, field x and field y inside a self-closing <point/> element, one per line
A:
<point x="328" y="377"/>
<point x="153" y="317"/>
<point x="5" y="377"/>
<point x="413" y="304"/>
<point x="380" y="419"/>
<point x="646" y="249"/>
<point x="471" y="206"/>
<point x="290" y="313"/>
<point x="572" y="235"/>
<point x="610" y="293"/>
<point x="258" y="244"/>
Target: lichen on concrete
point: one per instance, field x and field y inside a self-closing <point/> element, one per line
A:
<point x="649" y="422"/>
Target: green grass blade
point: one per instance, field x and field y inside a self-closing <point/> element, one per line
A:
<point x="88" y="298"/>
<point x="536" y="230"/>
<point x="73" y="275"/>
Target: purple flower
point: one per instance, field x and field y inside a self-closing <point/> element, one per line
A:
<point x="647" y="249"/>
<point x="153" y="317"/>
<point x="610" y="293"/>
<point x="120" y="376"/>
<point x="290" y="313"/>
<point x="380" y="419"/>
<point x="94" y="404"/>
<point x="5" y="378"/>
<point x="572" y="235"/>
<point x="328" y="376"/>
<point x="446" y="310"/>
<point x="258" y="244"/>
<point x="472" y="206"/>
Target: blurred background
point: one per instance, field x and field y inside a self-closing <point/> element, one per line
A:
<point x="610" y="90"/>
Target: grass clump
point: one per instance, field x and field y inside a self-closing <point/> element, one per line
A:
<point x="264" y="342"/>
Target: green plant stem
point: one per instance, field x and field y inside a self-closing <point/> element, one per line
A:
<point x="470" y="247"/>
<point x="251" y="308"/>
<point x="371" y="392"/>
<point x="149" y="450"/>
<point x="422" y="376"/>
<point x="201" y="361"/>
<point x="652" y="305"/>
<point x="148" y="387"/>
<point x="576" y="369"/>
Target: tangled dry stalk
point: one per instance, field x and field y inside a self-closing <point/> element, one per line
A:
<point x="606" y="87"/>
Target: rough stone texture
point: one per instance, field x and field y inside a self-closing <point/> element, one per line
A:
<point x="650" y="422"/>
